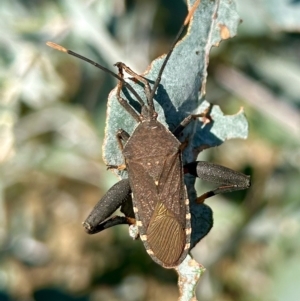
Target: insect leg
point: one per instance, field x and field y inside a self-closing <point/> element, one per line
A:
<point x="228" y="179"/>
<point x="111" y="222"/>
<point x="141" y="79"/>
<point x="186" y="121"/>
<point x="117" y="196"/>
<point x="122" y="137"/>
<point x="123" y="102"/>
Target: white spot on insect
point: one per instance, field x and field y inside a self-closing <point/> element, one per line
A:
<point x="139" y="223"/>
<point x="187" y="246"/>
<point x="149" y="164"/>
<point x="188" y="216"/>
<point x="150" y="252"/>
<point x="188" y="231"/>
<point x="133" y="231"/>
<point x="156" y="182"/>
<point x="156" y="162"/>
<point x="143" y="237"/>
<point x="135" y="210"/>
<point x="153" y="128"/>
<point x="187" y="201"/>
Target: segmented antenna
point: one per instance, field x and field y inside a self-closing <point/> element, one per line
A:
<point x="126" y="84"/>
<point x="185" y="23"/>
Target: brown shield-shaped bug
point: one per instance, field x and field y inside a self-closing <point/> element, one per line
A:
<point x="155" y="184"/>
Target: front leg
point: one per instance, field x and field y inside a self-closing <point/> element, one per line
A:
<point x="117" y="196"/>
<point x="228" y="179"/>
<point x="123" y="101"/>
<point x="122" y="137"/>
<point x="136" y="76"/>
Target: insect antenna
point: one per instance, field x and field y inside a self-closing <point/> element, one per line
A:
<point x="158" y="79"/>
<point x="126" y="84"/>
<point x="70" y="52"/>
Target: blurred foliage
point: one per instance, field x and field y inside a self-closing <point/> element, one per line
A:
<point x="51" y="125"/>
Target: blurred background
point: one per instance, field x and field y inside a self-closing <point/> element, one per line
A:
<point x="52" y="114"/>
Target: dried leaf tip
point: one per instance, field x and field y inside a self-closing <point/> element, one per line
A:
<point x="191" y="12"/>
<point x="56" y="46"/>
